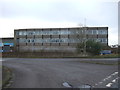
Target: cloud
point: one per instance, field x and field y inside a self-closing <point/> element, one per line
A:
<point x="7" y="26"/>
<point x="57" y="13"/>
<point x="113" y="36"/>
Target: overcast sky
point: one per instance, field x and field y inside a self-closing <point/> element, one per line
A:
<point x="15" y="14"/>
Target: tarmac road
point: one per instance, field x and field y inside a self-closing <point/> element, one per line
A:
<point x="52" y="73"/>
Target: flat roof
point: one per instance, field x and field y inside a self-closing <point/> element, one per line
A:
<point x="5" y="38"/>
<point x="63" y="28"/>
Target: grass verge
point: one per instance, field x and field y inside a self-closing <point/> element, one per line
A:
<point x="6" y="76"/>
<point x="54" y="55"/>
<point x="101" y="63"/>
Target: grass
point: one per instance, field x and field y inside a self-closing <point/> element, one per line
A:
<point x="6" y="76"/>
<point x="54" y="55"/>
<point x="102" y="63"/>
<point x="108" y="56"/>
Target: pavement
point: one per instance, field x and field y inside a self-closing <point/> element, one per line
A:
<point x="55" y="72"/>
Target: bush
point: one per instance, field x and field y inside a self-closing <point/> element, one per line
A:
<point x="92" y="47"/>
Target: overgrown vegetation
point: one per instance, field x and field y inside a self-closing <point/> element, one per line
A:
<point x="55" y="55"/>
<point x="92" y="47"/>
<point x="6" y="76"/>
<point x="107" y="56"/>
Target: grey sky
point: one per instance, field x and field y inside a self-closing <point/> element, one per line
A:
<point x="119" y="22"/>
<point x="58" y="13"/>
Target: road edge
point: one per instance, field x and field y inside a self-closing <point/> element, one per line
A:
<point x="7" y="83"/>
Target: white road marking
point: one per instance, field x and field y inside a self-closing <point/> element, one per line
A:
<point x="115" y="73"/>
<point x="109" y="84"/>
<point x="114" y="80"/>
<point x="107" y="78"/>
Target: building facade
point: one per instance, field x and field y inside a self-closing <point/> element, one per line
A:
<point x="57" y="39"/>
<point x="6" y="44"/>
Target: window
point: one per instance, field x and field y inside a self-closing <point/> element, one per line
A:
<point x="22" y="40"/>
<point x="54" y="32"/>
<point x="94" y="31"/>
<point x="17" y="40"/>
<point x="79" y="32"/>
<point x="17" y="32"/>
<point x="89" y="32"/>
<point x="102" y="31"/>
<point x="55" y="40"/>
<point x="30" y="40"/>
<point x="37" y="33"/>
<point x="22" y="32"/>
<point x="73" y="40"/>
<point x="47" y="40"/>
<point x="74" y="31"/>
<point x="99" y="31"/>
<point x="64" y="31"/>
<point x="40" y="32"/>
<point x="38" y="40"/>
<point x="30" y="32"/>
<point x="102" y="40"/>
<point x="45" y="32"/>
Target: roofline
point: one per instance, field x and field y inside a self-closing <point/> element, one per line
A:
<point x="7" y="38"/>
<point x="56" y="28"/>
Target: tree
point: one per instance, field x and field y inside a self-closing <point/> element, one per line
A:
<point x="92" y="47"/>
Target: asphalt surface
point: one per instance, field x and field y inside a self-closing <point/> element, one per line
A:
<point x="52" y="73"/>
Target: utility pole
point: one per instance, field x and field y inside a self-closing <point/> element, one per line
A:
<point x="84" y="36"/>
<point x="84" y="30"/>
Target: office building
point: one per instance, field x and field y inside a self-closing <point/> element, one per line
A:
<point x="57" y="39"/>
<point x="6" y="44"/>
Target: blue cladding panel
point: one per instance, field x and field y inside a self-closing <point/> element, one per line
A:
<point x="11" y="44"/>
<point x="1" y="44"/>
<point x="1" y="50"/>
<point x="106" y="52"/>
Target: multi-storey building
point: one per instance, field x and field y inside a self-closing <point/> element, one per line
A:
<point x="6" y="44"/>
<point x="57" y="39"/>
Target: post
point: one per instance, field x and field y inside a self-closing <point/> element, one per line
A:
<point x="84" y="29"/>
